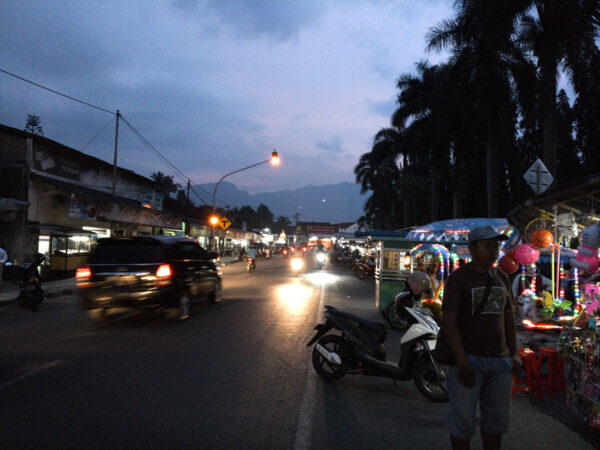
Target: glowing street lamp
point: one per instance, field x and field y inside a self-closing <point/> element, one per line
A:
<point x="274" y="160"/>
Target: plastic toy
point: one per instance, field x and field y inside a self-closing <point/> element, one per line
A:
<point x="541" y="239"/>
<point x="526" y="254"/>
<point x="587" y="254"/>
<point x="508" y="265"/>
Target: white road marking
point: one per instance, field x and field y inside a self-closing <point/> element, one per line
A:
<point x="305" y="418"/>
<point x="30" y="373"/>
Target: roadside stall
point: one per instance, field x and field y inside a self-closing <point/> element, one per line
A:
<point x="68" y="248"/>
<point x="559" y="239"/>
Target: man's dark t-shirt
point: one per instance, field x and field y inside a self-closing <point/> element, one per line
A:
<point x="483" y="335"/>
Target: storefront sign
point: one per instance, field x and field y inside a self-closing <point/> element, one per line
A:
<point x="82" y="208"/>
<point x="322" y="229"/>
<point x="153" y="200"/>
<point x="142" y="216"/>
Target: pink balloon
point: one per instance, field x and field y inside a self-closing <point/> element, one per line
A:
<point x="526" y="254"/>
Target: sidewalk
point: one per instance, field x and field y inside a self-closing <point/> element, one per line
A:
<point x="10" y="289"/>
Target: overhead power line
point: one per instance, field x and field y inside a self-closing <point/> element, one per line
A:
<point x="98" y="133"/>
<point x="56" y="92"/>
<point x="137" y="133"/>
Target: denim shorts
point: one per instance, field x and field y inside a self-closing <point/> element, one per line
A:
<point x="492" y="391"/>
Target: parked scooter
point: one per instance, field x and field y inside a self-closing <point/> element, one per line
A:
<point x="31" y="293"/>
<point x="251" y="264"/>
<point x="418" y="288"/>
<point x="360" y="350"/>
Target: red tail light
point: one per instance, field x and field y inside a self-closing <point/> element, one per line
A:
<point x="164" y="271"/>
<point x="83" y="272"/>
<point x="285" y="252"/>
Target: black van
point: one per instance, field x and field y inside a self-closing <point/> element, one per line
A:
<point x="148" y="272"/>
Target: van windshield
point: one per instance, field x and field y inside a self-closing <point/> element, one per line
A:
<point x="127" y="251"/>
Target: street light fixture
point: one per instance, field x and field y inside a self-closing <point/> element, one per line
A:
<point x="274" y="160"/>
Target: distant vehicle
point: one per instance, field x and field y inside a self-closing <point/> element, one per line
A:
<point x="145" y="273"/>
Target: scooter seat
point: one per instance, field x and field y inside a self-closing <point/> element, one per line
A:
<point x="370" y="324"/>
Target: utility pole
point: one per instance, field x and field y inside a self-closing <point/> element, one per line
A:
<point x="188" y="192"/>
<point x="114" y="186"/>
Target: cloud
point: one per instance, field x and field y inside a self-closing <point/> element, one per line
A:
<point x="334" y="145"/>
<point x="384" y="108"/>
<point x="274" y="19"/>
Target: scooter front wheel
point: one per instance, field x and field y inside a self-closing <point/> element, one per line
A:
<point x="427" y="381"/>
<point x="397" y="322"/>
<point x="327" y="370"/>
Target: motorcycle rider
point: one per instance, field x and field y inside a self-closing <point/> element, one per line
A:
<point x="252" y="254"/>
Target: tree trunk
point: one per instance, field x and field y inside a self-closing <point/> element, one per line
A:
<point x="491" y="164"/>
<point x="434" y="191"/>
<point x="548" y="104"/>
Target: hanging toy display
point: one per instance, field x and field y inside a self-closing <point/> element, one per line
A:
<point x="508" y="265"/>
<point x="526" y="254"/>
<point x="541" y="239"/>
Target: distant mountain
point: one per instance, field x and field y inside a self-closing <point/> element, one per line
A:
<point x="334" y="203"/>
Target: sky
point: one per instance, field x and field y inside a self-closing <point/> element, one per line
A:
<point x="215" y="86"/>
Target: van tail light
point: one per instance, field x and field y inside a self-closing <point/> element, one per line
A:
<point x="164" y="271"/>
<point x="83" y="272"/>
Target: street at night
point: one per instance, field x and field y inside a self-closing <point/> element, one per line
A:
<point x="236" y="374"/>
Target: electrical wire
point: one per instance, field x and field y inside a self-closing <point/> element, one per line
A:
<point x="137" y="133"/>
<point x="169" y="164"/>
<point x="56" y="92"/>
<point x="97" y="134"/>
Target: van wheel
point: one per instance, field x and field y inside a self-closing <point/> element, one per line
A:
<point x="216" y="294"/>
<point x="182" y="311"/>
<point x="97" y="315"/>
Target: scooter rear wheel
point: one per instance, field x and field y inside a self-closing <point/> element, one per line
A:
<point x="326" y="370"/>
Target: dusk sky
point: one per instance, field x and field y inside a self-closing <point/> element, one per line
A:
<point x="216" y="85"/>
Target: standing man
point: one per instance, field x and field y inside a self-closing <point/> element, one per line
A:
<point x="480" y="330"/>
<point x="3" y="259"/>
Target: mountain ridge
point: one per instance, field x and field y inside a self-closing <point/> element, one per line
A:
<point x="335" y="203"/>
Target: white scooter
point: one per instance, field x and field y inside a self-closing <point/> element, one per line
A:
<point x="359" y="349"/>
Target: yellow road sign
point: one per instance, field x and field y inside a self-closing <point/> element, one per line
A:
<point x="224" y="222"/>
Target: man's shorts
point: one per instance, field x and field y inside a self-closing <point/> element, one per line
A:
<point x="492" y="391"/>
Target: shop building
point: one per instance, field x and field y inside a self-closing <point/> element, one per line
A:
<point x="58" y="200"/>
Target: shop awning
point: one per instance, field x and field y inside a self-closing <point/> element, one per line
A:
<point x="60" y="230"/>
<point x="579" y="198"/>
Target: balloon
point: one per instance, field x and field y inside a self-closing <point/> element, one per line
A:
<point x="513" y="241"/>
<point x="526" y="254"/>
<point x="508" y="265"/>
<point x="541" y="238"/>
<point x="511" y="254"/>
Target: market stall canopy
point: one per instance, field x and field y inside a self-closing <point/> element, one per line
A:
<point x="455" y="230"/>
<point x="575" y="203"/>
<point x="436" y="249"/>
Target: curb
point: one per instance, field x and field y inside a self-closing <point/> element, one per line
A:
<point x="47" y="295"/>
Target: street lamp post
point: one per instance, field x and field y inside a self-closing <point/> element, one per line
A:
<point x="274" y="159"/>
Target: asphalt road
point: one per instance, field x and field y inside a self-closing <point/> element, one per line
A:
<point x="235" y="375"/>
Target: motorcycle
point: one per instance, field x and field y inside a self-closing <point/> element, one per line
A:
<point x="31" y="293"/>
<point x="251" y="264"/>
<point x="362" y="270"/>
<point x="320" y="260"/>
<point x="360" y="350"/>
<point x="297" y="265"/>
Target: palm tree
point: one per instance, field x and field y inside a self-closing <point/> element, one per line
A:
<point x="378" y="172"/>
<point x="33" y="125"/>
<point x="165" y="183"/>
<point x="559" y="35"/>
<point x="484" y="31"/>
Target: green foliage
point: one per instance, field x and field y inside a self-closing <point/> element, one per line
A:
<point x="165" y="183"/>
<point x="33" y="125"/>
<point x="465" y="130"/>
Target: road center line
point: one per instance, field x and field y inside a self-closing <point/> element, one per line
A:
<point x="305" y="418"/>
<point x="30" y="373"/>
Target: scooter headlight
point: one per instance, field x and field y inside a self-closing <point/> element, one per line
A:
<point x="297" y="264"/>
<point x="321" y="257"/>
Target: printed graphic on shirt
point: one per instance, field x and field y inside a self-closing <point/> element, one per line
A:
<point x="495" y="302"/>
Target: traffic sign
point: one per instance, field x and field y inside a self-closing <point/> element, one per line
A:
<point x="224" y="222"/>
<point x="538" y="177"/>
